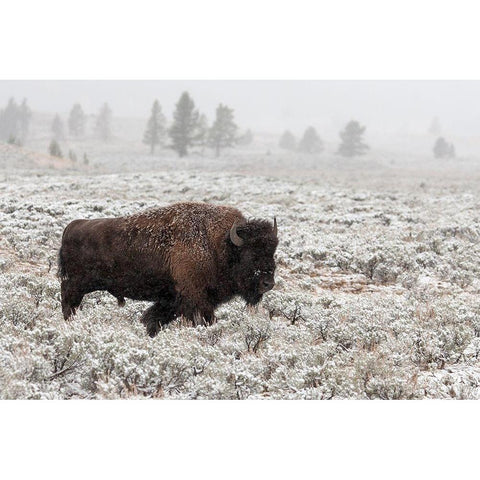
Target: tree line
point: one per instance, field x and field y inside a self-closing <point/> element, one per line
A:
<point x="15" y="122"/>
<point x="351" y="141"/>
<point x="190" y="128"/>
<point x="77" y="120"/>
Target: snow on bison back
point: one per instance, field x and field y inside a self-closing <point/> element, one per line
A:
<point x="188" y="258"/>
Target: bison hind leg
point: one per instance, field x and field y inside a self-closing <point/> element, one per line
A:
<point x="121" y="301"/>
<point x="159" y="314"/>
<point x="71" y="299"/>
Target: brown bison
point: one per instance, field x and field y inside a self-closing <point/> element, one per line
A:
<point x="188" y="258"/>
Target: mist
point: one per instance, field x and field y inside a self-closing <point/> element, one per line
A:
<point x="385" y="107"/>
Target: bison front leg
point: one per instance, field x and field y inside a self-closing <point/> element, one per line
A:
<point x="159" y="314"/>
<point x="191" y="274"/>
<point x="197" y="311"/>
<point x="209" y="317"/>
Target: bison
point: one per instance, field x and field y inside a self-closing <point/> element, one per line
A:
<point x="187" y="258"/>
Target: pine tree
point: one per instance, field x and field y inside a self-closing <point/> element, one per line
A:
<point x="183" y="131"/>
<point x="442" y="149"/>
<point x="103" y="125"/>
<point x="72" y="155"/>
<point x="287" y="141"/>
<point x="222" y="133"/>
<point x="76" y="121"/>
<point x="451" y="153"/>
<point x="10" y="121"/>
<point x="310" y="142"/>
<point x="155" y="130"/>
<point x="352" y="143"/>
<point x="54" y="149"/>
<point x="25" y="116"/>
<point x="246" y="138"/>
<point x="58" y="128"/>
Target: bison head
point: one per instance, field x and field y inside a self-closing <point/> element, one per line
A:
<point x="253" y="246"/>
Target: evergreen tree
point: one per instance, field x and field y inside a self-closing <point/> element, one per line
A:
<point x="25" y="116"/>
<point x="10" y="120"/>
<point x="310" y="142"/>
<point x="54" y="149"/>
<point x="72" y="155"/>
<point x="451" y="153"/>
<point x="76" y="121"/>
<point x="442" y="149"/>
<point x="184" y="129"/>
<point x="246" y="138"/>
<point x="222" y="133"/>
<point x="287" y="141"/>
<point x="103" y="125"/>
<point x="58" y="128"/>
<point x="352" y="143"/>
<point x="155" y="130"/>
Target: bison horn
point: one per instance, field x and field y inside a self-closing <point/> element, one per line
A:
<point x="236" y="240"/>
<point x="275" y="230"/>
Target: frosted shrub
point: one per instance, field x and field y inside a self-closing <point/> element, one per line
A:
<point x="256" y="334"/>
<point x="371" y="334"/>
<point x="376" y="294"/>
<point x="19" y="314"/>
<point x="344" y="333"/>
<point x="379" y="379"/>
<point x="213" y="335"/>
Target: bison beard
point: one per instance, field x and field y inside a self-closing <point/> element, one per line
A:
<point x="187" y="258"/>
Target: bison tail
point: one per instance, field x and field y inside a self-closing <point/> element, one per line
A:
<point x="61" y="273"/>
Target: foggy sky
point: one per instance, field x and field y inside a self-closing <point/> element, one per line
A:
<point x="273" y="105"/>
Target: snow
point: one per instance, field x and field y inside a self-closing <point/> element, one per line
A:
<point x="376" y="283"/>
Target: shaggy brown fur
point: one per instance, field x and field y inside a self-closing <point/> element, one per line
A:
<point x="181" y="257"/>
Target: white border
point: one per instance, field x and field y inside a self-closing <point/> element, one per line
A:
<point x="239" y="40"/>
<point x="252" y="39"/>
<point x="271" y="439"/>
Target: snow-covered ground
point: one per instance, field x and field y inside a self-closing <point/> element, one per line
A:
<point x="377" y="278"/>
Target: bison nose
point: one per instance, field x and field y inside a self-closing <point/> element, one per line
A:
<point x="267" y="285"/>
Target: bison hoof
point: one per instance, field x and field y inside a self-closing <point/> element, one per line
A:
<point x="153" y="328"/>
<point x="152" y="324"/>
